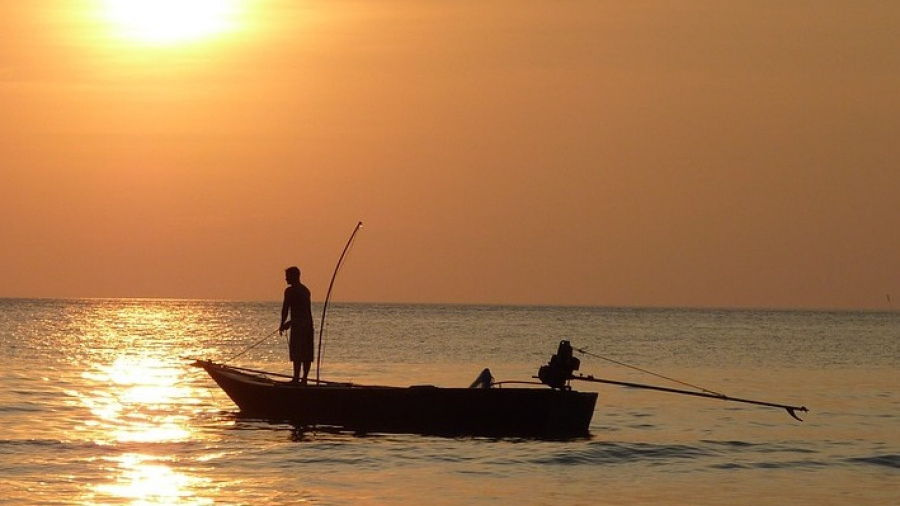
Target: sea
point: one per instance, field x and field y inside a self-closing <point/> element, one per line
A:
<point x="99" y="404"/>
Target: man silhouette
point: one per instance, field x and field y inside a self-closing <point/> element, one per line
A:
<point x="297" y="304"/>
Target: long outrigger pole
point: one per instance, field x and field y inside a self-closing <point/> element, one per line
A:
<point x="328" y="297"/>
<point x="792" y="410"/>
<point x="563" y="365"/>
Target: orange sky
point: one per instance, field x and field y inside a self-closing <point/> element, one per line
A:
<point x="691" y="153"/>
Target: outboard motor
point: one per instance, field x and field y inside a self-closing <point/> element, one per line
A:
<point x="560" y="369"/>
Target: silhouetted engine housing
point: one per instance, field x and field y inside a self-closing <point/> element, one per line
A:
<point x="559" y="371"/>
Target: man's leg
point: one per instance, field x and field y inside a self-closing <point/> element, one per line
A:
<point x="306" y="366"/>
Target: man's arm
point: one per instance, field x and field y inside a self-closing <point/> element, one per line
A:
<point x="285" y="307"/>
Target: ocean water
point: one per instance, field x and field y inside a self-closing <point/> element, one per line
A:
<point x="98" y="405"/>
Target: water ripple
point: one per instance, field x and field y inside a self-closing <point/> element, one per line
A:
<point x="619" y="453"/>
<point x="892" y="461"/>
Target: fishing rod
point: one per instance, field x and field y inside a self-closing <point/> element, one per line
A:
<point x="328" y="296"/>
<point x="791" y="410"/>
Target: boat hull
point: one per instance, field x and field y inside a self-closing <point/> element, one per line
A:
<point x="497" y="412"/>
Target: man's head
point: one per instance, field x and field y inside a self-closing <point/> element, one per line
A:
<point x="292" y="275"/>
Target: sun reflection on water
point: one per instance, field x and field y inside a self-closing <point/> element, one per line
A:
<point x="145" y="480"/>
<point x="133" y="401"/>
<point x="141" y="402"/>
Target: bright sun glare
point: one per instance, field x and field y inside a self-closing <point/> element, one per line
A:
<point x="169" y="22"/>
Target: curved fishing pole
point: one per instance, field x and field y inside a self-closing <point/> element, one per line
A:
<point x="328" y="296"/>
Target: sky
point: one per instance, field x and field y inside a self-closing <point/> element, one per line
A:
<point x="581" y="152"/>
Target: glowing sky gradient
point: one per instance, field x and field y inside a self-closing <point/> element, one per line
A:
<point x="692" y="153"/>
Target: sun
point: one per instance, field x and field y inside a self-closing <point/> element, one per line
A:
<point x="170" y="22"/>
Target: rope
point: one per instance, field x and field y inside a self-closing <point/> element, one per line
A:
<point x="623" y="364"/>
<point x="254" y="345"/>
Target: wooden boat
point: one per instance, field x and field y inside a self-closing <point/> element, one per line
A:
<point x="552" y="410"/>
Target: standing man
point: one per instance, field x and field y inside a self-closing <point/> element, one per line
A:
<point x="297" y="304"/>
